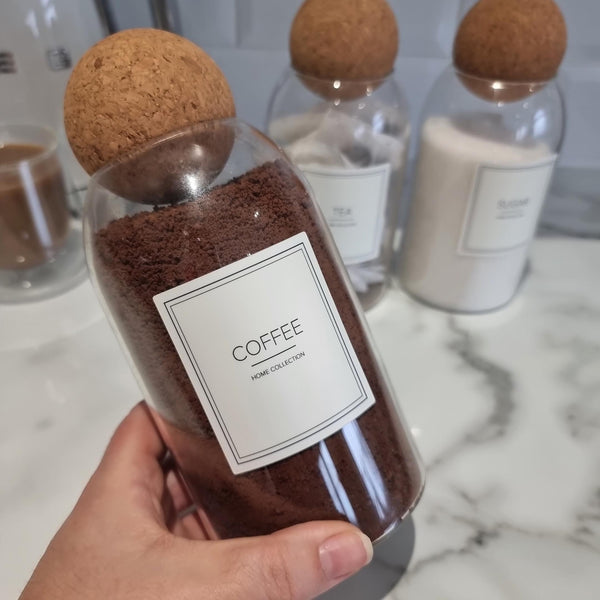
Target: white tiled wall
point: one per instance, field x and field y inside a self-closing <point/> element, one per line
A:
<point x="248" y="39"/>
<point x="215" y="23"/>
<point x="264" y="24"/>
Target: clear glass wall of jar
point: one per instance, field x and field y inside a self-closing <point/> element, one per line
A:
<point x="486" y="156"/>
<point x="224" y="287"/>
<point x="350" y="140"/>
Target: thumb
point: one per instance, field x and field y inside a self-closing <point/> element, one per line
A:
<point x="297" y="563"/>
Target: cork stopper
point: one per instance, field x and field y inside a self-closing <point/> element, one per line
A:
<point x="343" y="40"/>
<point x="519" y="42"/>
<point x="137" y="85"/>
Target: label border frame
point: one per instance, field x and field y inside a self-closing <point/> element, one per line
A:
<point x="365" y="394"/>
<point x="336" y="172"/>
<point x="462" y="248"/>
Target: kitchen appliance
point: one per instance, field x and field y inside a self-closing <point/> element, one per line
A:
<point x="40" y="41"/>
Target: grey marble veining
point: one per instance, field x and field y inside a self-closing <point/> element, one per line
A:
<point x="513" y="452"/>
<point x="497" y="379"/>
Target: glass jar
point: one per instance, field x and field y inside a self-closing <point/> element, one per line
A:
<point x="350" y="140"/>
<point x="223" y="285"/>
<point x="486" y="157"/>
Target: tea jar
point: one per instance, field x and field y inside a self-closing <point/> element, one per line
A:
<point x="349" y="138"/>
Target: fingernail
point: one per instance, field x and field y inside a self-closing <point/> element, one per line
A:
<point x="345" y="553"/>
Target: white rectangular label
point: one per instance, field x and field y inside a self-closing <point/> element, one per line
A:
<point x="504" y="207"/>
<point x="266" y="350"/>
<point x="353" y="202"/>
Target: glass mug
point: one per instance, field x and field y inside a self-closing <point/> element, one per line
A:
<point x="40" y="245"/>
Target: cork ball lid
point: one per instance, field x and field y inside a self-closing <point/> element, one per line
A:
<point x="344" y="39"/>
<point x="511" y="40"/>
<point x="137" y="85"/>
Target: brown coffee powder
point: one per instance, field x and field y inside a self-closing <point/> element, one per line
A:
<point x="367" y="473"/>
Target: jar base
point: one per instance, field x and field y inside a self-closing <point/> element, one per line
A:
<point x="373" y="295"/>
<point x="453" y="309"/>
<point x="459" y="311"/>
<point x="392" y="553"/>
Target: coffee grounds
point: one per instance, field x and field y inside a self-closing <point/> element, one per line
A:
<point x="366" y="473"/>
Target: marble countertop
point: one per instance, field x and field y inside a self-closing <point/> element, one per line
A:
<point x="505" y="409"/>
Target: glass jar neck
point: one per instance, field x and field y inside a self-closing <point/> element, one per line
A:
<point x="339" y="89"/>
<point x="499" y="90"/>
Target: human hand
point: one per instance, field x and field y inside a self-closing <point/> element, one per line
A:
<point x="123" y="541"/>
